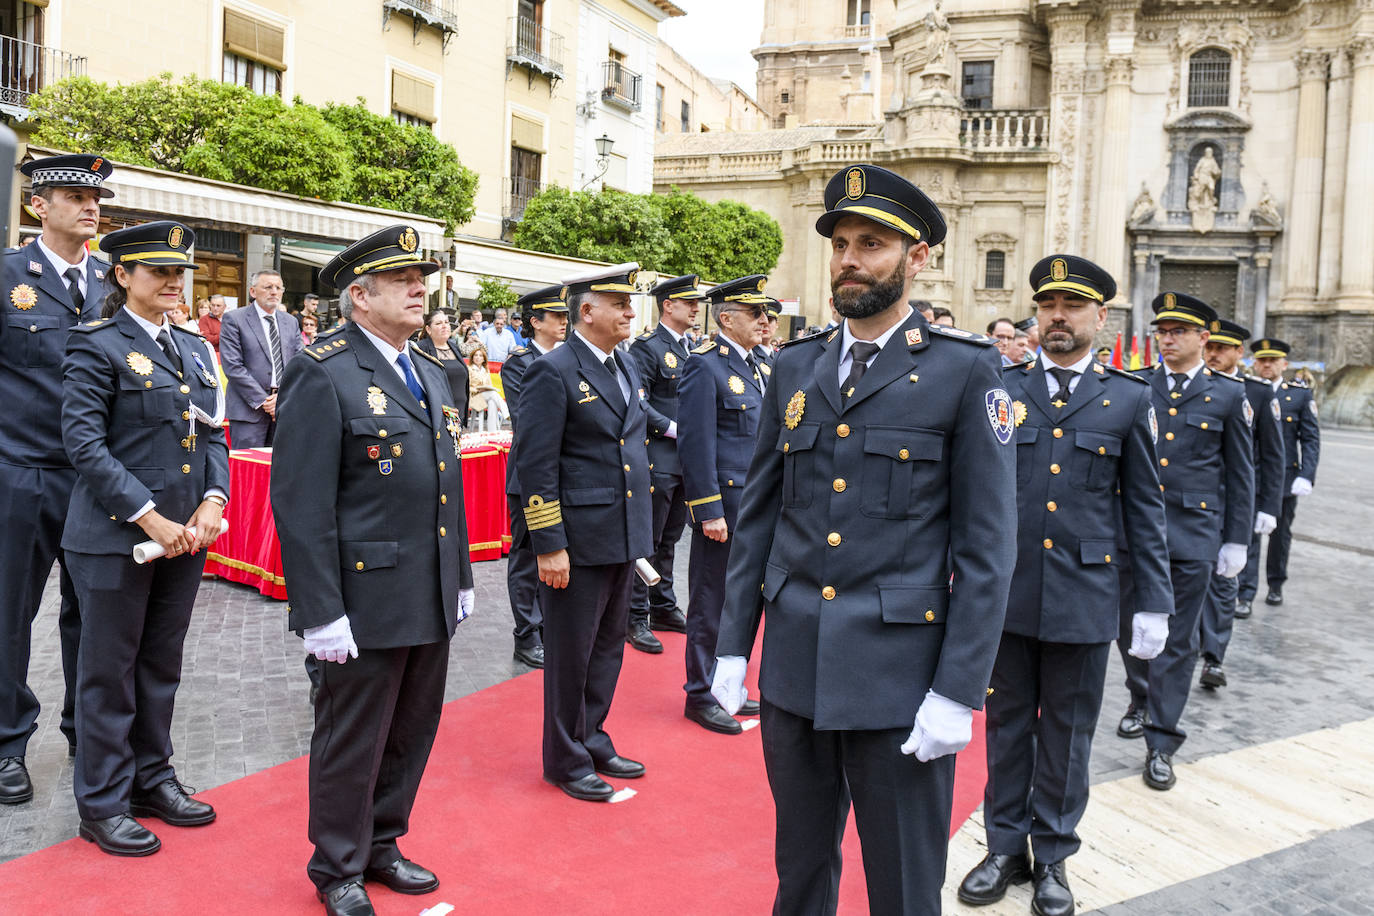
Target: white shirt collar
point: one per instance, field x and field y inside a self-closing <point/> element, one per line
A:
<point x="1191" y="373"/>
<point x="680" y="338"/>
<point x="601" y="355"/>
<point x="61" y="264"/>
<point x="264" y="314"/>
<point x="152" y="329"/>
<point x="1079" y="367"/>
<point x="389" y="353"/>
<point x="847" y="338"/>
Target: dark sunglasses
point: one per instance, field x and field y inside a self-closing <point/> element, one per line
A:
<point x="753" y="311"/>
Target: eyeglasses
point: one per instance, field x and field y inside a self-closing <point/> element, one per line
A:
<point x="753" y="311"/>
<point x="1174" y="332"/>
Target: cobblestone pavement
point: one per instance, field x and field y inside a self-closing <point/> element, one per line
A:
<point x="1306" y="665"/>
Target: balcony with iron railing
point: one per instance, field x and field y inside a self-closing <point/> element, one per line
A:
<point x="537" y="49"/>
<point x="25" y="68"/>
<point x="438" y="14"/>
<point x="620" y="86"/>
<point x="518" y="192"/>
<point x="1005" y="130"/>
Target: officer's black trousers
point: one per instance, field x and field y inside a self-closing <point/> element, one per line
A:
<point x="670" y="517"/>
<point x="522" y="580"/>
<point x="1276" y="564"/>
<point x="1248" y="581"/>
<point x="1218" y="616"/>
<point x="705" y="601"/>
<point x="901" y="808"/>
<point x="375" y="721"/>
<point x="33" y="509"/>
<point x="1040" y="719"/>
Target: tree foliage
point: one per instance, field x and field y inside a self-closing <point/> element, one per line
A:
<point x="494" y="293"/>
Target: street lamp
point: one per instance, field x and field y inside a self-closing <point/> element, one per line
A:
<point x="603" y="158"/>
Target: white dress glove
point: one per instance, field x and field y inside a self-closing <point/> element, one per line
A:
<point x="1231" y="560"/>
<point x="467" y="598"/>
<point x="332" y="642"/>
<point x="942" y="727"/>
<point x="727" y="685"/>
<point x="1149" y="632"/>
<point x="1301" y="486"/>
<point x="1265" y="523"/>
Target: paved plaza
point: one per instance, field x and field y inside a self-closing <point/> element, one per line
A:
<point x="1301" y="678"/>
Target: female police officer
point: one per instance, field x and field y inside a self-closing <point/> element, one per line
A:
<point x="140" y="405"/>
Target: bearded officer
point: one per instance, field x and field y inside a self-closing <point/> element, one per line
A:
<point x="545" y="313"/>
<point x="367" y="492"/>
<point x="1224" y="349"/>
<point x="49" y="287"/>
<point x="660" y="355"/>
<point x="1085" y="442"/>
<point x="878" y="444"/>
<point x="1206" y="468"/>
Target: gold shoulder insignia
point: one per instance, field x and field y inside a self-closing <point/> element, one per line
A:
<point x="414" y="348"/>
<point x="332" y="348"/>
<point x="519" y="351"/>
<point x="960" y="334"/>
<point x="707" y="347"/>
<point x="1112" y="370"/>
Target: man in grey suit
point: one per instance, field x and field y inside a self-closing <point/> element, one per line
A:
<point x="254" y="346"/>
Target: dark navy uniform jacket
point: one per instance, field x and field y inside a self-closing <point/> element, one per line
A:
<point x="584" y="465"/>
<point x="38" y="316"/>
<point x="856" y="513"/>
<point x="1268" y="445"/>
<point x="1302" y="439"/>
<point x="125" y="423"/>
<point x="1206" y="459"/>
<point x="512" y="377"/>
<point x="367" y="491"/>
<point x="660" y="360"/>
<point x="1070" y="466"/>
<point x="719" y="419"/>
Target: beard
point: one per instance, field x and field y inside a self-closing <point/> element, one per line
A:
<point x="872" y="299"/>
<point x="1053" y="341"/>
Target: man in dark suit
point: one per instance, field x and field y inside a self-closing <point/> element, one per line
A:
<point x="546" y="315"/>
<point x="878" y="445"/>
<point x="720" y="396"/>
<point x="589" y="518"/>
<point x="660" y="355"/>
<point x="256" y="343"/>
<point x="49" y="287"/>
<point x="367" y="490"/>
<point x="1206" y="468"/>
<point x="1224" y="349"/>
<point x="1085" y="442"/>
<point x="1302" y="440"/>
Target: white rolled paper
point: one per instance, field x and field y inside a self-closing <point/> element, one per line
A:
<point x="151" y="550"/>
<point x="645" y="570"/>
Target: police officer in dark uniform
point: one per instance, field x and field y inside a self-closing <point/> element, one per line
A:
<point x="49" y="287"/>
<point x="141" y="414"/>
<point x="879" y="443"/>
<point x="764" y="351"/>
<point x="1206" y="467"/>
<point x="1224" y="349"/>
<point x="545" y="313"/>
<point x="589" y="519"/>
<point x="367" y="492"/>
<point x="660" y="355"/>
<point x="1301" y="449"/>
<point x="1084" y="434"/>
<point x="720" y="396"/>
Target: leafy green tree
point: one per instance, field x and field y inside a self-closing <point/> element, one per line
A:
<point x="494" y="293"/>
<point x="721" y="240"/>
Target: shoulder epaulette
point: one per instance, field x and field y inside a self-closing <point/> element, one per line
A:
<point x="519" y="351"/>
<point x="1230" y="378"/>
<point x="816" y="336"/>
<point x="87" y="326"/>
<point x="323" y="351"/>
<point x="648" y="334"/>
<point x="1126" y="373"/>
<point x="1027" y="364"/>
<point x="1297" y="383"/>
<point x="706" y="347"/>
<point x="195" y="334"/>
<point x="961" y="334"/>
<point x="1256" y="380"/>
<point x="415" y="348"/>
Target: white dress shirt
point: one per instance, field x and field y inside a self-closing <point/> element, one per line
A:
<point x="1191" y="373"/>
<point x="1079" y="368"/>
<point x="601" y="357"/>
<point x="62" y="265"/>
<point x="846" y="338"/>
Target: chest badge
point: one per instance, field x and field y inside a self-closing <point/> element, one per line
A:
<point x="736" y="384"/>
<point x="913" y="337"/>
<point x="374" y="452"/>
<point x="796" y="406"/>
<point x="586" y="390"/>
<point x="453" y="422"/>
<point x="24" y="297"/>
<point x="205" y="373"/>
<point x="670" y="360"/>
<point x="376" y="400"/>
<point x="384" y="466"/>
<point x="1018" y="411"/>
<point x="141" y="364"/>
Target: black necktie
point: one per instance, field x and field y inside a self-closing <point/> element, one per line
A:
<point x="1180" y="381"/>
<point x="73" y="276"/>
<point x="164" y="340"/>
<point x="1063" y="377"/>
<point x="754" y="365"/>
<point x="274" y="345"/>
<point x="615" y="374"/>
<point x="860" y="352"/>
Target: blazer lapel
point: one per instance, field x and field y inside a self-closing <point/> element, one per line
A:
<point x="254" y="319"/>
<point x="594" y="373"/>
<point x="53" y="283"/>
<point x="1200" y="383"/>
<point x="1089" y="387"/>
<point x="893" y="361"/>
<point x="1037" y="388"/>
<point x="144" y="344"/>
<point x="828" y="371"/>
<point x="436" y="387"/>
<point x="1160" y="383"/>
<point x="96" y="271"/>
<point x="384" y="376"/>
<point x="740" y="368"/>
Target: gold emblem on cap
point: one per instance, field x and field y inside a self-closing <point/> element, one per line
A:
<point x="854" y="183"/>
<point x="736" y="384"/>
<point x="376" y="400"/>
<point x="1170" y="300"/>
<point x="1059" y="270"/>
<point x="408" y="241"/>
<point x="1215" y="328"/>
<point x="632" y="278"/>
<point x="1018" y="410"/>
<point x="24" y="297"/>
<point x="1264" y="344"/>
<point x="141" y="364"/>
<point x="670" y="360"/>
<point x="563" y="294"/>
<point x="174" y="237"/>
<point x="763" y="281"/>
<point x="795" y="407"/>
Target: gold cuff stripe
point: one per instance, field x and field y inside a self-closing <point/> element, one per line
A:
<point x="395" y="261"/>
<point x="1168" y="315"/>
<point x="1071" y="287"/>
<point x="145" y="255"/>
<point x="547" y="511"/>
<point x="883" y="216"/>
<point x="708" y="499"/>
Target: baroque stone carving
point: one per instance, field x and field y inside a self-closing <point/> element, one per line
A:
<point x="1266" y="211"/>
<point x="937" y="36"/>
<point x="1202" y="192"/>
<point x="1231" y="35"/>
<point x="1143" y="208"/>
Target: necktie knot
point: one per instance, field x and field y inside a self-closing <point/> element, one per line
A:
<point x="1063" y="376"/>
<point x="610" y="365"/>
<point x="1180" y="380"/>
<point x="164" y="340"/>
<point x="73" y="275"/>
<point x="862" y="350"/>
<point x="408" y="372"/>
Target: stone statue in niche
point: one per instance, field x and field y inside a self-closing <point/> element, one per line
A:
<point x="1143" y="208"/>
<point x="1266" y="209"/>
<point x="1202" y="192"/>
<point x="937" y="37"/>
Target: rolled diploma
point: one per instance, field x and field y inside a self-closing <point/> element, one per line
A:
<point x="151" y="550"/>
<point x="645" y="570"/>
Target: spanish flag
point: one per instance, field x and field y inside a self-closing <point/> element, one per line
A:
<point x="1135" y="353"/>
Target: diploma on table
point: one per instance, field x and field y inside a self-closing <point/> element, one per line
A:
<point x="151" y="550"/>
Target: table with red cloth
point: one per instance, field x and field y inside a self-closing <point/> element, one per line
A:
<point x="250" y="553"/>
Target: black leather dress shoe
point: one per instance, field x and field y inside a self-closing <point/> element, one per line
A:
<point x="1275" y="596"/>
<point x="168" y="801"/>
<point x="1132" y="724"/>
<point x="589" y="788"/>
<point x="673" y="621"/>
<point x="15" y="785"/>
<point x="120" y="835"/>
<point x="713" y="718"/>
<point x="621" y="768"/>
<point x="347" y="900"/>
<point x="1243" y="610"/>
<point x="990" y="878"/>
<point x="404" y="877"/>
<point x="748" y="708"/>
<point x="1213" y="675"/>
<point x="1052" y="896"/>
<point x="1159" y="771"/>
<point x="642" y="639"/>
<point x="533" y="656"/>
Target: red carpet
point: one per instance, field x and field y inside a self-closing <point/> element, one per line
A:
<point x="697" y="838"/>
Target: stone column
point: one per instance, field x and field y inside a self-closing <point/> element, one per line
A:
<point x="1261" y="310"/>
<point x="1110" y="243"/>
<point x="1305" y="205"/>
<point x="1140" y="299"/>
<point x="1333" y="184"/>
<point x="1357" y="230"/>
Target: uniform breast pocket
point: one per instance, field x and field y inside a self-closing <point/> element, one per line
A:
<point x="798" y="447"/>
<point x="1026" y="437"/>
<point x="1095" y="459"/>
<point x="1204" y="432"/>
<point x="901" y="468"/>
<point x="146" y="401"/>
<point x="36" y="341"/>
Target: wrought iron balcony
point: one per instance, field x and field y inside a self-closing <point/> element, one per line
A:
<point x="440" y="14"/>
<point x="537" y="49"/>
<point x="26" y="68"/>
<point x="620" y="86"/>
<point x="519" y="192"/>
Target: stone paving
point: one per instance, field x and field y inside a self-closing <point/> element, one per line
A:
<point x="1306" y="665"/>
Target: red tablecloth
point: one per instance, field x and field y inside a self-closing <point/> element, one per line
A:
<point x="250" y="553"/>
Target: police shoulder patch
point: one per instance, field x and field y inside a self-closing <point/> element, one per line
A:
<point x="1154" y="426"/>
<point x="961" y="334"/>
<point x="1130" y="375"/>
<point x="1276" y="410"/>
<point x="1247" y="411"/>
<point x="1000" y="414"/>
